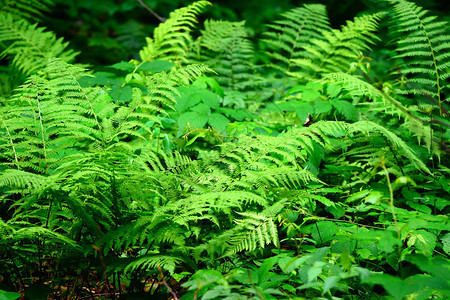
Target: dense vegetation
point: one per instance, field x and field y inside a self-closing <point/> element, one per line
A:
<point x="310" y="163"/>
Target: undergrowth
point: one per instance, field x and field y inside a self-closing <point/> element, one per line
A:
<point x="310" y="164"/>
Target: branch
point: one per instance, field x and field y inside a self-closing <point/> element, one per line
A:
<point x="166" y="284"/>
<point x="161" y="19"/>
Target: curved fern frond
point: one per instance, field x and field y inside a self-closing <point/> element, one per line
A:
<point x="423" y="44"/>
<point x="288" y="37"/>
<point x="20" y="180"/>
<point x="256" y="229"/>
<point x="382" y="101"/>
<point x="367" y="127"/>
<point x="148" y="262"/>
<point x="30" y="46"/>
<point x="224" y="46"/>
<point x="50" y="116"/>
<point x="338" y="49"/>
<point x="28" y="9"/>
<point x="172" y="38"/>
<point x="32" y="233"/>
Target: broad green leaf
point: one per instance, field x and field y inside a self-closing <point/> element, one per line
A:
<point x="5" y="295"/>
<point x="329" y="283"/>
<point x="302" y="109"/>
<point x="156" y="66"/>
<point x="289" y="264"/>
<point x="393" y="285"/>
<point x="346" y="109"/>
<point x="124" y="66"/>
<point x="424" y="241"/>
<point x="323" y="231"/>
<point x="321" y="106"/>
<point x="446" y="243"/>
<point x="122" y="94"/>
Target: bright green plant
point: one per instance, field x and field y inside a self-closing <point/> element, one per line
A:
<point x="197" y="172"/>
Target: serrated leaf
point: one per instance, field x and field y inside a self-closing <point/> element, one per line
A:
<point x="218" y="121"/>
<point x="346" y="109"/>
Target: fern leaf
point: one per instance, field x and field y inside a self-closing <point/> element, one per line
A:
<point x="30" y="46"/>
<point x="149" y="262"/>
<point x="225" y="47"/>
<point x="21" y="180"/>
<point x="28" y="9"/>
<point x="172" y="38"/>
<point x="339" y="48"/>
<point x="399" y="145"/>
<point x="423" y="44"/>
<point x="288" y="37"/>
<point x="253" y="231"/>
<point x="383" y="102"/>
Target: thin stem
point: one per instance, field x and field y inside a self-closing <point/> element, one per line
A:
<point x="391" y="198"/>
<point x="167" y="285"/>
<point x="161" y="19"/>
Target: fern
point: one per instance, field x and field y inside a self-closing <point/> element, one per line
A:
<point x="254" y="232"/>
<point x="108" y="182"/>
<point x="339" y="48"/>
<point x="288" y="37"/>
<point x="47" y="113"/>
<point x="152" y="261"/>
<point x="225" y="47"/>
<point x="423" y="45"/>
<point x="24" y="182"/>
<point x="172" y="38"/>
<point x="383" y="102"/>
<point x="27" y="9"/>
<point x="30" y="46"/>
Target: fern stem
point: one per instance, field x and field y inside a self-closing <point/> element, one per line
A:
<point x="166" y="284"/>
<point x="434" y="64"/>
<point x="391" y="197"/>
<point x="12" y="143"/>
<point x="41" y="123"/>
<point x="48" y="214"/>
<point x="87" y="100"/>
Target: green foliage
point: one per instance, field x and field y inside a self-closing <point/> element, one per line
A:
<point x="212" y="168"/>
<point x="171" y="38"/>
<point x="28" y="9"/>
<point x="29" y="46"/>
<point x="289" y="37"/>
<point x="339" y="48"/>
<point x="423" y="46"/>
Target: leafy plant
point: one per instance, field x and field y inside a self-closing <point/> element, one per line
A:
<point x="214" y="168"/>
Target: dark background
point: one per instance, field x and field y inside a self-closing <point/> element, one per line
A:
<point x="108" y="31"/>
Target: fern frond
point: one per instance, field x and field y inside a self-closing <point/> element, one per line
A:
<point x="224" y="46"/>
<point x="172" y="38"/>
<point x="50" y="116"/>
<point x="254" y="231"/>
<point x="162" y="86"/>
<point x="338" y="49"/>
<point x="28" y="9"/>
<point x="20" y="180"/>
<point x="30" y="46"/>
<point x="385" y="103"/>
<point x="288" y="37"/>
<point x="367" y="127"/>
<point x="423" y="44"/>
<point x="21" y="236"/>
<point x="148" y="262"/>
